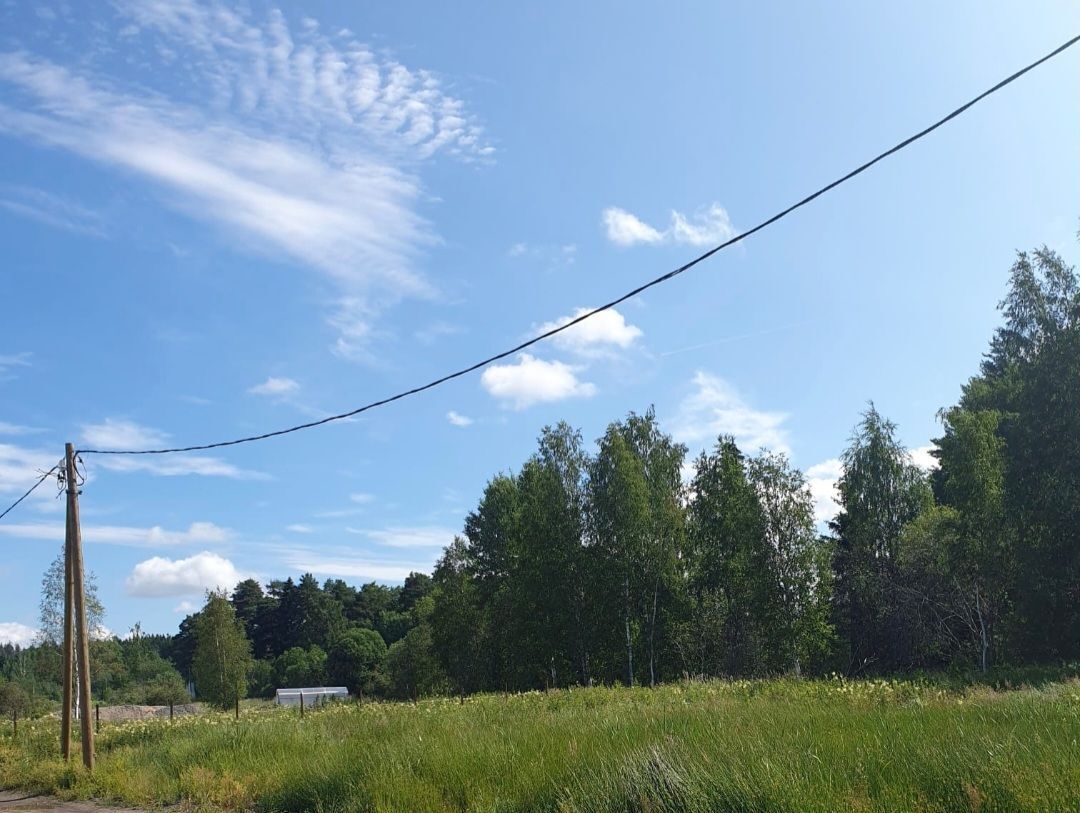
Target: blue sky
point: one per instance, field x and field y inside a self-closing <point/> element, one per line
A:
<point x="219" y="220"/>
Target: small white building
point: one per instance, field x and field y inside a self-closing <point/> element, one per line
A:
<point x="312" y="696"/>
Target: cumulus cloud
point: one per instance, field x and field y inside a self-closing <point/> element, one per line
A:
<point x="706" y="227"/>
<point x="716" y="408"/>
<point x="598" y="335"/>
<point x="12" y="632"/>
<point x="530" y="380"/>
<point x="921" y="456"/>
<point x="625" y="229"/>
<point x="159" y="577"/>
<point x="457" y="419"/>
<point x="821" y="479"/>
<point x="275" y="387"/>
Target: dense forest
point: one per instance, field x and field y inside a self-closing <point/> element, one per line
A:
<point x="624" y="562"/>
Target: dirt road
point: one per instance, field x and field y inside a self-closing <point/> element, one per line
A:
<point x="21" y="802"/>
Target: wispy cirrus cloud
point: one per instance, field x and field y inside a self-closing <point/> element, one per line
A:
<point x="424" y="536"/>
<point x="275" y="387"/>
<point x="127" y="435"/>
<point x="52" y="210"/>
<point x="289" y="142"/>
<point x="9" y="360"/>
<point x="197" y="533"/>
<point x="706" y="227"/>
<point x="20" y="468"/>
<point x="715" y="408"/>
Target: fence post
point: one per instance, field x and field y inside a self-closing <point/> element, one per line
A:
<point x="97" y="718"/>
<point x="301" y="705"/>
<point x="170" y="711"/>
<point x="238" y="708"/>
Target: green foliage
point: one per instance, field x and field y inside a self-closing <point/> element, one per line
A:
<point x="222" y="653"/>
<point x="881" y="490"/>
<point x="51" y="617"/>
<point x="298" y="668"/>
<point x="356" y="660"/>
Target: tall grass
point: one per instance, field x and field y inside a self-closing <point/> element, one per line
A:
<point x="742" y="746"/>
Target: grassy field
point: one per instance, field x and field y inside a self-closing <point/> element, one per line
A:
<point x="743" y="746"/>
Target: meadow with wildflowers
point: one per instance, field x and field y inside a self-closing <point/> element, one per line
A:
<point x="774" y="745"/>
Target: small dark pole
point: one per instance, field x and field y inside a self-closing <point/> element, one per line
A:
<point x="360" y="695"/>
<point x="238" y="708"/>
<point x="301" y="705"/>
<point x="170" y="711"/>
<point x="97" y="718"/>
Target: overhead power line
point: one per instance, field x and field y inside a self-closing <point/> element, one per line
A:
<point x="630" y="294"/>
<point x="29" y="491"/>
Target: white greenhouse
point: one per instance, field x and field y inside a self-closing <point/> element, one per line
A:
<point x="313" y="696"/>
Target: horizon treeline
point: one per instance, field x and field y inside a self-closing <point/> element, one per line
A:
<point x="626" y="562"/>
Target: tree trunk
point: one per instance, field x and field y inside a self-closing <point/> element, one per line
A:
<point x="652" y="635"/>
<point x="629" y="641"/>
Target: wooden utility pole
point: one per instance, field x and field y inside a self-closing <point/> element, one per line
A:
<point x="82" y="650"/>
<point x="69" y="644"/>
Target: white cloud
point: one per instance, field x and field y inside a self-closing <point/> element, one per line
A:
<point x="457" y="419"/>
<point x="13" y="359"/>
<point x="553" y="255"/>
<point x="12" y="632"/>
<point x="198" y="533"/>
<point x="179" y="465"/>
<point x="302" y="146"/>
<point x="716" y="408"/>
<point x="52" y="210"/>
<point x="275" y="387"/>
<point x="20" y="468"/>
<point x="922" y="457"/>
<point x="120" y="433"/>
<point x="347" y="565"/>
<point x="530" y="380"/>
<point x="625" y="229"/>
<point x="361" y="497"/>
<point x="408" y="537"/>
<point x="706" y="227"/>
<point x="204" y="571"/>
<point x="186" y="607"/>
<point x="299" y="528"/>
<point x="822" y="478"/>
<point x="15" y="429"/>
<point x="595" y="336"/>
<point x="436" y="331"/>
<point x="116" y="433"/>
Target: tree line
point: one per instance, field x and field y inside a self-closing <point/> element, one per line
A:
<point x="627" y="563"/>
